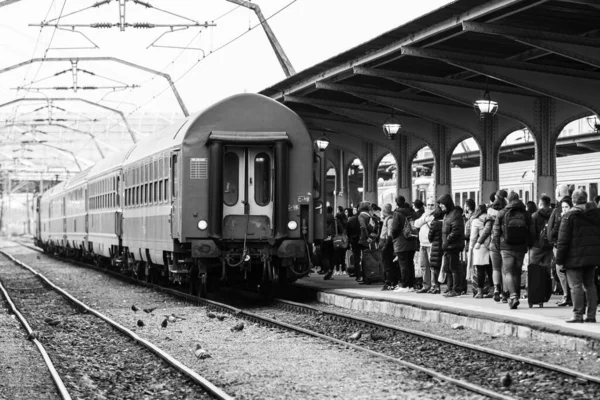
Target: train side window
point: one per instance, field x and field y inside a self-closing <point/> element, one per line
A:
<point x="526" y="196"/>
<point x="593" y="191"/>
<point x="231" y="176"/>
<point x="175" y="173"/>
<point x="160" y="191"/>
<point x="457" y="198"/>
<point x="156" y="199"/>
<point x="166" y="192"/>
<point x="472" y="196"/>
<point x="146" y="193"/>
<point x="464" y="199"/>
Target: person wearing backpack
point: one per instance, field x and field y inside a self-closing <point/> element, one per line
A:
<point x="541" y="249"/>
<point x="386" y="244"/>
<point x="485" y="239"/>
<point x="364" y="237"/>
<point x="578" y="251"/>
<point x="562" y="195"/>
<point x="453" y="242"/>
<point x="405" y="244"/>
<point x="511" y="234"/>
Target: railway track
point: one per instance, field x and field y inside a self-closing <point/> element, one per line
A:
<point x="474" y="368"/>
<point x="93" y="355"/>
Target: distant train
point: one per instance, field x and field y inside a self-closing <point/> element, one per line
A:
<point x="212" y="197"/>
<point x="578" y="171"/>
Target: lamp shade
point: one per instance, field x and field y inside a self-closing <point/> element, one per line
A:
<point x="322" y="143"/>
<point x="391" y="126"/>
<point x="594" y="123"/>
<point x="486" y="106"/>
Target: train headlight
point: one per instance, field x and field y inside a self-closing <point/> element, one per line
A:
<point x="202" y="225"/>
<point x="292" y="225"/>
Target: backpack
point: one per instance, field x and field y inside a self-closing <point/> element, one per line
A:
<point x="544" y="243"/>
<point x="353" y="227"/>
<point x="408" y="230"/>
<point x="515" y="227"/>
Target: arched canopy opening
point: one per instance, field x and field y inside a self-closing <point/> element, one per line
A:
<point x="386" y="180"/>
<point x="355" y="182"/>
<point x="423" y="177"/>
<point x="466" y="169"/>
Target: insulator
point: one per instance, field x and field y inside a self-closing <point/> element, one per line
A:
<point x="61" y="88"/>
<point x="101" y="25"/>
<point x="142" y="3"/>
<point x="101" y="3"/>
<point x="142" y="25"/>
<point x="88" y="87"/>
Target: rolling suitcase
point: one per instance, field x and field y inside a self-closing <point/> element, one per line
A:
<point x="539" y="285"/>
<point x="372" y="265"/>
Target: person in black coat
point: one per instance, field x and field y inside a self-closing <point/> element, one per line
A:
<point x="437" y="254"/>
<point x="562" y="195"/>
<point x="578" y="251"/>
<point x="453" y="242"/>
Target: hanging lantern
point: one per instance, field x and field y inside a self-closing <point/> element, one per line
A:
<point x="391" y="126"/>
<point x="322" y="143"/>
<point x="486" y="106"/>
<point x="594" y="123"/>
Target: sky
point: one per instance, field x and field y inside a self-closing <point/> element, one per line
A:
<point x="309" y="31"/>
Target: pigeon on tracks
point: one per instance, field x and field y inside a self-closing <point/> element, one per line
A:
<point x="237" y="327"/>
<point x="149" y="310"/>
<point x="200" y="353"/>
<point x="165" y="323"/>
<point x="140" y="323"/>
<point x="221" y="317"/>
<point x="134" y="308"/>
<point x="210" y="315"/>
<point x="506" y="380"/>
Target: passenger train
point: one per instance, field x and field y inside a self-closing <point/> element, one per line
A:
<point x="580" y="171"/>
<point x="234" y="192"/>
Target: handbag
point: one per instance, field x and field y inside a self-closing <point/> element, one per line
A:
<point x="340" y="241"/>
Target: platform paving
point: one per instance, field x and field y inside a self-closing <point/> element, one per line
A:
<point x="485" y="315"/>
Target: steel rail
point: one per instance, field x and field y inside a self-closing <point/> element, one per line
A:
<point x="469" y="346"/>
<point x="278" y="324"/>
<point x="64" y="393"/>
<point x="207" y="385"/>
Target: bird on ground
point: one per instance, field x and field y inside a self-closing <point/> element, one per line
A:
<point x="355" y="336"/>
<point x="140" y="323"/>
<point x="171" y="318"/>
<point x="149" y="310"/>
<point x="221" y="317"/>
<point x="134" y="308"/>
<point x="164" y="323"/>
<point x="210" y="315"/>
<point x="201" y="353"/>
<point x="506" y="380"/>
<point x="238" y="327"/>
<point x="377" y="336"/>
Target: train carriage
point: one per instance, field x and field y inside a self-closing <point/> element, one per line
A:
<point x="233" y="192"/>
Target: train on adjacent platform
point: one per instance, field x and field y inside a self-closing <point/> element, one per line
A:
<point x="232" y="194"/>
<point x="579" y="171"/>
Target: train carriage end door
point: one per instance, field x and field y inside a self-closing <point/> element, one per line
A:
<point x="175" y="195"/>
<point x="248" y="182"/>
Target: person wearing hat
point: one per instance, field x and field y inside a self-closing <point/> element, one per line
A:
<point x="578" y="251"/>
<point x="386" y="244"/>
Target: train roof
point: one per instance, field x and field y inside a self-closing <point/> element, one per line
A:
<point x="55" y="190"/>
<point x="113" y="162"/>
<point x="78" y="179"/>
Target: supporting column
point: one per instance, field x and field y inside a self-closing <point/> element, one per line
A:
<point x="369" y="175"/>
<point x="442" y="170"/>
<point x="490" y="164"/>
<point x="404" y="164"/>
<point x="341" y="179"/>
<point x="545" y="148"/>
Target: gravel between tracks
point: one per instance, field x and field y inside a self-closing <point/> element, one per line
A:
<point x="528" y="382"/>
<point x="24" y="374"/>
<point x="92" y="359"/>
<point x="255" y="363"/>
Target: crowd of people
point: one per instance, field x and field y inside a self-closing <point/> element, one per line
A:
<point x="446" y="245"/>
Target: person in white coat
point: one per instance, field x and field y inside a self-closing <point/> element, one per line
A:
<point x="480" y="252"/>
<point x="423" y="224"/>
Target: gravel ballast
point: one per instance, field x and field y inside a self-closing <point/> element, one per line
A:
<point x="256" y="362"/>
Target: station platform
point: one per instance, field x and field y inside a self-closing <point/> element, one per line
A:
<point x="485" y="315"/>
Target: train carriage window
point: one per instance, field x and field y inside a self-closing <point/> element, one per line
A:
<point x="151" y="194"/>
<point x="166" y="192"/>
<point x="146" y="193"/>
<point x="231" y="179"/>
<point x="526" y="196"/>
<point x="137" y="196"/>
<point x="464" y="199"/>
<point x="520" y="193"/>
<point x="175" y="172"/>
<point x="457" y="198"/>
<point x="156" y="199"/>
<point x="472" y="196"/>
<point x="593" y="191"/>
<point x="160" y="191"/>
<point x="262" y="179"/>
